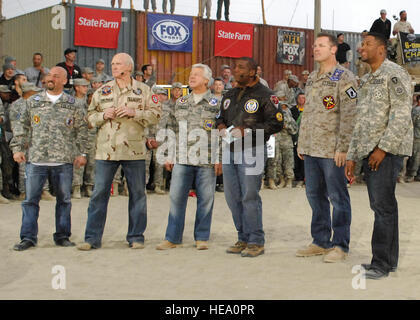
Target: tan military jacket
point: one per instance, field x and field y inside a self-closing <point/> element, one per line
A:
<point x="123" y="138"/>
<point x="330" y="110"/>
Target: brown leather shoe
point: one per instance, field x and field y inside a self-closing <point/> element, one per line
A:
<point x="165" y="245"/>
<point x="335" y="255"/>
<point x="202" y="245"/>
<point x="312" y="250"/>
<point x="237" y="248"/>
<point x="252" y="251"/>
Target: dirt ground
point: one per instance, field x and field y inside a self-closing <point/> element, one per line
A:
<point x="117" y="272"/>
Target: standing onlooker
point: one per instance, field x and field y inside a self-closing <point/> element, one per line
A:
<point x="12" y="61"/>
<point x="165" y="4"/>
<point x="219" y="9"/>
<point x="113" y="3"/>
<point x="99" y="71"/>
<point x="200" y="108"/>
<point x="149" y="75"/>
<point x="403" y="25"/>
<point x="362" y="67"/>
<point x="413" y="163"/>
<point x="382" y="25"/>
<point x="259" y="73"/>
<point x="341" y="54"/>
<point x="146" y="5"/>
<point x="37" y="72"/>
<point x="324" y="137"/>
<point x="6" y="78"/>
<point x="120" y="109"/>
<point x="279" y="84"/>
<point x="227" y="76"/>
<point x="218" y="87"/>
<point x="205" y="4"/>
<point x="382" y="136"/>
<point x="73" y="70"/>
<point x="54" y="129"/>
<point x="249" y="107"/>
<point x="297" y="112"/>
<point x="302" y="83"/>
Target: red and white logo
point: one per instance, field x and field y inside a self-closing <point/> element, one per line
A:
<point x="233" y="39"/>
<point x="155" y="99"/>
<point x="97" y="28"/>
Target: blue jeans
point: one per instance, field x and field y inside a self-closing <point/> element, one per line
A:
<point x="381" y="188"/>
<point x="61" y="178"/>
<point x="243" y="198"/>
<point x="137" y="208"/>
<point x="325" y="183"/>
<point x="182" y="180"/>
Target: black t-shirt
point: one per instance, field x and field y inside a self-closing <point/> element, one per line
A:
<point x="382" y="27"/>
<point x="72" y="73"/>
<point x="341" y="52"/>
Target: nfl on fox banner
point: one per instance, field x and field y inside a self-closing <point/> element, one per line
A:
<point x="97" y="28"/>
<point x="290" y="47"/>
<point x="169" y="32"/>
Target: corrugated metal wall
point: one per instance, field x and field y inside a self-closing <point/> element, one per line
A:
<point x="352" y="39"/>
<point x="87" y="56"/>
<point x="175" y="65"/>
<point x="30" y="33"/>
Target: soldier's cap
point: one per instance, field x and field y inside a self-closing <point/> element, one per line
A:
<point x="305" y="72"/>
<point x="225" y="66"/>
<point x="383" y="11"/>
<point x="294" y="78"/>
<point x="96" y="79"/>
<point x="138" y="73"/>
<point x="9" y="59"/>
<point x="4" y="89"/>
<point x="87" y="70"/>
<point x="80" y="82"/>
<point x="177" y="85"/>
<point x="288" y="72"/>
<point x="69" y="50"/>
<point x="90" y="91"/>
<point x="29" y="86"/>
<point x="100" y="61"/>
<point x="8" y="66"/>
<point x="160" y="90"/>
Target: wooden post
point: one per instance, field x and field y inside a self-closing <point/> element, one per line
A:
<point x="199" y="8"/>
<point x="263" y="12"/>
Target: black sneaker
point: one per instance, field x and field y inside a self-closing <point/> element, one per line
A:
<point x="368" y="266"/>
<point x="23" y="245"/>
<point x="64" y="243"/>
<point x="375" y="274"/>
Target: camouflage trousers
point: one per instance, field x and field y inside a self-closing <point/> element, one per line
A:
<point x="7" y="163"/>
<point x="282" y="164"/>
<point x="85" y="175"/>
<point x="413" y="163"/>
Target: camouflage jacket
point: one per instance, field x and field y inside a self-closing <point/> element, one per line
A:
<point x="54" y="132"/>
<point x="415" y="115"/>
<point x="383" y="113"/>
<point x="196" y="121"/>
<point x="123" y="138"/>
<point x="92" y="132"/>
<point x="284" y="137"/>
<point x="328" y="119"/>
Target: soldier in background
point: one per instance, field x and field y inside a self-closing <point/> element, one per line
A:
<point x="37" y="72"/>
<point x="286" y="75"/>
<point x="324" y="137"/>
<point x="120" y="109"/>
<point x="96" y="83"/>
<point x="99" y="71"/>
<point x="49" y="156"/>
<point x="302" y="83"/>
<point x="413" y="163"/>
<point x="382" y="136"/>
<point x="2" y="119"/>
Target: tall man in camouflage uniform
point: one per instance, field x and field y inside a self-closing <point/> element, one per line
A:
<point x="196" y="111"/>
<point x="55" y="129"/>
<point x="252" y="110"/>
<point x="120" y="109"/>
<point x="324" y="137"/>
<point x="413" y="163"/>
<point x="382" y="136"/>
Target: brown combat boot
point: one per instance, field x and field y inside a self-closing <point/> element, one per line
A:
<point x="237" y="248"/>
<point x="252" y="251"/>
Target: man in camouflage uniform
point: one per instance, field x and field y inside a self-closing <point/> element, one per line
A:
<point x="120" y="109"/>
<point x="324" y="137"/>
<point x="84" y="176"/>
<point x="196" y="111"/>
<point x="382" y="136"/>
<point x="28" y="89"/>
<point x="286" y="75"/>
<point x="55" y="130"/>
<point x="414" y="161"/>
<point x="3" y="200"/>
<point x="167" y="121"/>
<point x="289" y="89"/>
<point x="302" y="83"/>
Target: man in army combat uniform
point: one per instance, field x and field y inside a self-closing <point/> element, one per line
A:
<point x="382" y="136"/>
<point x="55" y="129"/>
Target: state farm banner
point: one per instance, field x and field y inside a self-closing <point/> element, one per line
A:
<point x="410" y="44"/>
<point x="169" y="32"/>
<point x="290" y="47"/>
<point x="96" y="27"/>
<point x="233" y="40"/>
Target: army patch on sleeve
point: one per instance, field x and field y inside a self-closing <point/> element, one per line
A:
<point x="336" y="76"/>
<point x="36" y="119"/>
<point x="106" y="90"/>
<point x="69" y="122"/>
<point x="329" y="102"/>
<point x="226" y="104"/>
<point x="182" y="100"/>
<point x="351" y="92"/>
<point x="275" y="100"/>
<point x="399" y="90"/>
<point x="208" y="124"/>
<point x="279" y="116"/>
<point x="137" y="91"/>
<point x="251" y="106"/>
<point x="155" y="99"/>
<point x="213" y="102"/>
<point x="394" y="80"/>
